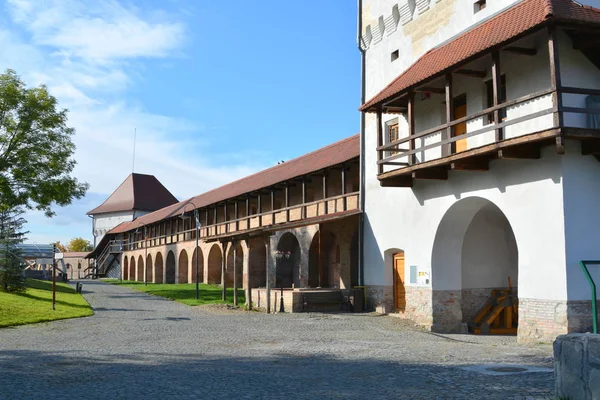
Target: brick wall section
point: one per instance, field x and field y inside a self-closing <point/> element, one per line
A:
<point x="541" y="320"/>
<point x="380" y="299"/>
<point x="447" y="312"/>
<point x="418" y="305"/>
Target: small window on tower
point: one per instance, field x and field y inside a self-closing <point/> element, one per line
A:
<point x="395" y="55"/>
<point x="478" y="6"/>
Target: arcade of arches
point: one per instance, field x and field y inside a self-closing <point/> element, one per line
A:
<point x="314" y="256"/>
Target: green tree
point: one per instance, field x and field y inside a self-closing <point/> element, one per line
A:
<point x="79" y="244"/>
<point x="11" y="265"/>
<point x="35" y="149"/>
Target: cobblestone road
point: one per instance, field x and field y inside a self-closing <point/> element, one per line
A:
<point x="140" y="346"/>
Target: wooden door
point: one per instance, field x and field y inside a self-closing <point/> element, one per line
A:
<point x="399" y="290"/>
<point x="460" y="129"/>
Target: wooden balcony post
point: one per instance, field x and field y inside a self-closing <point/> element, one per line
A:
<point x="449" y="115"/>
<point x="325" y="191"/>
<point x="555" y="79"/>
<point x="411" y="126"/>
<point x="215" y="218"/>
<point x="287" y="202"/>
<point x="379" y="139"/>
<point x="206" y="221"/>
<point x="236" y="215"/>
<point x="273" y="205"/>
<point x="496" y="92"/>
<point x="225" y="218"/>
<point x="303" y="212"/>
<point x="259" y="209"/>
<point x="343" y="188"/>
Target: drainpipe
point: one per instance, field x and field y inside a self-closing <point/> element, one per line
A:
<point x="361" y="223"/>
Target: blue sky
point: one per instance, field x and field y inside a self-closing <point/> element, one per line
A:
<point x="215" y="91"/>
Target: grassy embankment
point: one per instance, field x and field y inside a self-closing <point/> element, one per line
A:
<point x="183" y="292"/>
<point x="35" y="305"/>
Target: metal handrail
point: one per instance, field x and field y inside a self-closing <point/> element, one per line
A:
<point x="584" y="264"/>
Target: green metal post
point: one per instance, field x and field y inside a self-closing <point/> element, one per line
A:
<point x="583" y="264"/>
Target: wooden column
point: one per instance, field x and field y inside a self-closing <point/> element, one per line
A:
<point x="412" y="159"/>
<point x="449" y="113"/>
<point x="555" y="83"/>
<point x="343" y="188"/>
<point x="259" y="208"/>
<point x="206" y="220"/>
<point x="303" y="212"/>
<point x="379" y="139"/>
<point x="248" y="209"/>
<point x="496" y="92"/>
<point x="325" y="191"/>
<point x="235" y="282"/>
<point x="225" y="218"/>
<point x="273" y="204"/>
<point x="287" y="202"/>
<point x="223" y="266"/>
<point x="236" y="215"/>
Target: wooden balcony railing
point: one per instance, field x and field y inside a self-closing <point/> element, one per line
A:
<point x="318" y="208"/>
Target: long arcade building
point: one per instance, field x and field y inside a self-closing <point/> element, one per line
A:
<point x="292" y="226"/>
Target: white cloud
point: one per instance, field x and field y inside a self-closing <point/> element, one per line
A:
<point x="89" y="54"/>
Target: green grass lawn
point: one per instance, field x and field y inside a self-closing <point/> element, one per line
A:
<point x="183" y="292"/>
<point x="35" y="305"/>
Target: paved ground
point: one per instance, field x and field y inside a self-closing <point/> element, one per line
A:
<point x="140" y="346"/>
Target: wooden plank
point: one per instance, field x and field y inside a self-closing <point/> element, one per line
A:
<point x="397" y="181"/>
<point x="379" y="139"/>
<point x="524" y="51"/>
<point x="555" y="80"/>
<point x="503" y="331"/>
<point x="449" y="115"/>
<point x="411" y="127"/>
<point x="496" y="92"/>
<point x="471" y="72"/>
<point x="576" y="90"/>
<point x="515" y="153"/>
<point x="471" y="165"/>
<point x="439" y="173"/>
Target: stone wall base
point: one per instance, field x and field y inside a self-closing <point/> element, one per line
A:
<point x="380" y="299"/>
<point x="576" y="366"/>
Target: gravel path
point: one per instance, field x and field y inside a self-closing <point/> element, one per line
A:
<point x="141" y="346"/>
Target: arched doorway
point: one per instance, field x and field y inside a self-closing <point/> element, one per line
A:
<point x="324" y="261"/>
<point x="288" y="261"/>
<point x="474" y="253"/>
<point x="198" y="252"/>
<point x="182" y="268"/>
<point x="140" y="269"/>
<point x="215" y="262"/>
<point x="257" y="268"/>
<point x="239" y="265"/>
<point x="158" y="268"/>
<point x="170" y="268"/>
<point x="132" y="269"/>
<point x="149" y="268"/>
<point x="126" y="268"/>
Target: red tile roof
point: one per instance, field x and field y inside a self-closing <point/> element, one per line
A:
<point x="137" y="192"/>
<point x="520" y="18"/>
<point x="328" y="156"/>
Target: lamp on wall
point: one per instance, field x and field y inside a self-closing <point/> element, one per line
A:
<point x="282" y="255"/>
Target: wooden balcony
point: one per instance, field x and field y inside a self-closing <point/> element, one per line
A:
<point x="278" y="218"/>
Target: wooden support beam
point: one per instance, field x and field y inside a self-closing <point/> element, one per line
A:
<point x="379" y="139"/>
<point x="438" y="173"/>
<point x="343" y="187"/>
<point x="426" y="89"/>
<point x="325" y="190"/>
<point x="447" y="149"/>
<point x="303" y="212"/>
<point x="471" y="72"/>
<point x="496" y="93"/>
<point x="412" y="159"/>
<point x="555" y="80"/>
<point x="514" y="153"/>
<point x="590" y="147"/>
<point x="471" y="165"/>
<point x="397" y="181"/>
<point x="524" y="51"/>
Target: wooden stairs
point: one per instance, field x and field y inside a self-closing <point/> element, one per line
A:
<point x="499" y="315"/>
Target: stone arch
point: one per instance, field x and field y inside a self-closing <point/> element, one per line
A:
<point x="287" y="268"/>
<point x="149" y="268"/>
<point x="215" y="261"/>
<point x="257" y="262"/>
<point x="140" y="269"/>
<point x="198" y="251"/>
<point x="126" y="268"/>
<point x="182" y="267"/>
<point x="132" y="269"/>
<point x="239" y="265"/>
<point x="474" y="252"/>
<point x="158" y="268"/>
<point x="170" y="268"/>
<point x="324" y="260"/>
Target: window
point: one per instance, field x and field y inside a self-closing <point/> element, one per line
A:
<point x="392" y="129"/>
<point x="395" y="55"/>
<point x="478" y="6"/>
<point x="489" y="88"/>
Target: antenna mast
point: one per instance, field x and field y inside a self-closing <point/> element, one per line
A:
<point x="133" y="163"/>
